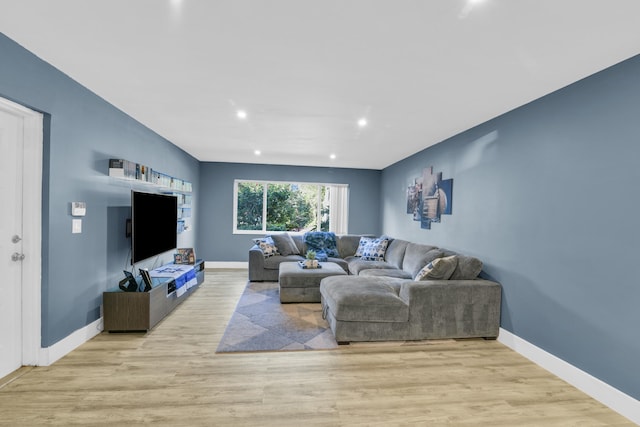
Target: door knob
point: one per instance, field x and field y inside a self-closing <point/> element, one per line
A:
<point x="17" y="257"/>
<point x="16" y="238"/>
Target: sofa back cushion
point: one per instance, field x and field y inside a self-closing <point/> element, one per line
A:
<point x="395" y="252"/>
<point x="417" y="256"/>
<point x="347" y="244"/>
<point x="299" y="241"/>
<point x="468" y="268"/>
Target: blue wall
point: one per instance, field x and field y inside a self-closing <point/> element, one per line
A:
<point x="546" y="195"/>
<point x="216" y="202"/>
<point x="82" y="132"/>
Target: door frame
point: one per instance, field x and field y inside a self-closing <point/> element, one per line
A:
<point x="31" y="229"/>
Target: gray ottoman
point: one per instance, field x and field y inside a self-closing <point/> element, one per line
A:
<point x="365" y="308"/>
<point x="303" y="284"/>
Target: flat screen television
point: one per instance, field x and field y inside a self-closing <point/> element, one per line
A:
<point x="154" y="220"/>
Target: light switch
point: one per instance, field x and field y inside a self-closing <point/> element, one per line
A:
<point x="76" y="226"/>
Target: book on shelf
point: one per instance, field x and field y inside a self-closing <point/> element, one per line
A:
<point x="184" y="256"/>
<point x="116" y="167"/>
<point x="121" y="168"/>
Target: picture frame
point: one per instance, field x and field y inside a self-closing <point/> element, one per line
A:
<point x="184" y="256"/>
<point x="146" y="280"/>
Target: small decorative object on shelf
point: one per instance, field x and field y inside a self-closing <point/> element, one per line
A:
<point x="184" y="256"/>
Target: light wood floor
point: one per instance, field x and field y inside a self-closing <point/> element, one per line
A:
<point x="172" y="376"/>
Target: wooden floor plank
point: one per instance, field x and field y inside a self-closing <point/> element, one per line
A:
<point x="172" y="376"/>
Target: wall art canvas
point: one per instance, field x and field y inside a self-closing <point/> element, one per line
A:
<point x="429" y="197"/>
<point x="446" y="187"/>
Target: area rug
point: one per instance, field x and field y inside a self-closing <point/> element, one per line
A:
<point x="261" y="323"/>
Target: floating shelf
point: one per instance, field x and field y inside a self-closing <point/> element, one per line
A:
<point x="128" y="170"/>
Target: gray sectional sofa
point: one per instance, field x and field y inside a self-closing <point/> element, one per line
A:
<point x="266" y="269"/>
<point x="414" y="292"/>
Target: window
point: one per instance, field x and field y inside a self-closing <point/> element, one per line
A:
<point x="261" y="206"/>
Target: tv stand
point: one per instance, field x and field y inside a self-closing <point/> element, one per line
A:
<point x="141" y="311"/>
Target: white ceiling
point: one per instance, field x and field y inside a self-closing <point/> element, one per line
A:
<point x="305" y="71"/>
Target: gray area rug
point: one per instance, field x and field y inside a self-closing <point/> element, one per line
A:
<point x="261" y="323"/>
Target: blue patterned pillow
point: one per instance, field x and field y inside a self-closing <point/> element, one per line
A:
<point x="364" y="241"/>
<point x="372" y="249"/>
<point x="267" y="246"/>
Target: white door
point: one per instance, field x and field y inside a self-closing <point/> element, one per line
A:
<point x="11" y="164"/>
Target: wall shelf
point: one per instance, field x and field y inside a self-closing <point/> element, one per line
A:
<point x="143" y="177"/>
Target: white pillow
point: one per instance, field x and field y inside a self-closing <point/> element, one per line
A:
<point x="370" y="249"/>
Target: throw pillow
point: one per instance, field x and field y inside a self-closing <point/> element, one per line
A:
<point x="374" y="250"/>
<point x="438" y="269"/>
<point x="285" y="244"/>
<point x="364" y="241"/>
<point x="267" y="246"/>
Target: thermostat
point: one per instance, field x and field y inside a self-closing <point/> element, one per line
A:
<point x="78" y="208"/>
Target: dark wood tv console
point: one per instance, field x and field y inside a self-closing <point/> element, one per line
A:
<point x="141" y="311"/>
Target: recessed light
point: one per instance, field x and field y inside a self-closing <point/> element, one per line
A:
<point x="257" y="152"/>
<point x="332" y="156"/>
<point x="241" y="114"/>
<point x="362" y="122"/>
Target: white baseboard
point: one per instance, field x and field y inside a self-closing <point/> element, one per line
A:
<point x="49" y="355"/>
<point x="225" y="264"/>
<point x="620" y="402"/>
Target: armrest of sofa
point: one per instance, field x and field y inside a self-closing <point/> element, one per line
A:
<point x="454" y="308"/>
<point x="256" y="263"/>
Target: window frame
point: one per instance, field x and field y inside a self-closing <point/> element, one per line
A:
<point x="265" y="184"/>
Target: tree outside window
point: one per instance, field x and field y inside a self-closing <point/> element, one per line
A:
<point x="250" y="197"/>
<point x="281" y="206"/>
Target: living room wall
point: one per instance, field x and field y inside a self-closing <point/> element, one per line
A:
<point x="218" y="243"/>
<point x="546" y="196"/>
<point x="82" y="132"/>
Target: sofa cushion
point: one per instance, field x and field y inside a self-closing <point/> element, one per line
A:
<point x="438" y="269"/>
<point x="347" y="244"/>
<point x="267" y="246"/>
<point x="285" y="244"/>
<point x="364" y="299"/>
<point x="385" y="272"/>
<point x="370" y="249"/>
<point x="467" y="268"/>
<point x="341" y="262"/>
<point x="357" y="264"/>
<point x="417" y="256"/>
<point x="395" y="252"/>
<point x="273" y="263"/>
